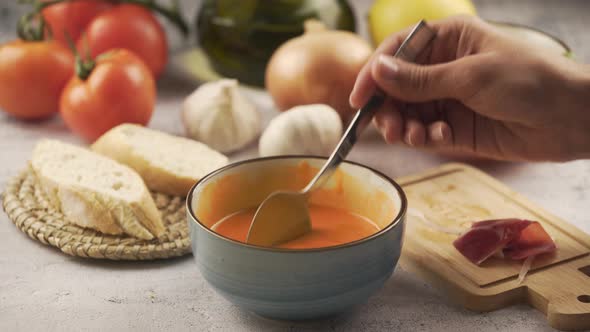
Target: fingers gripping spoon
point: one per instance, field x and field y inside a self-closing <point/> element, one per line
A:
<point x="284" y="215"/>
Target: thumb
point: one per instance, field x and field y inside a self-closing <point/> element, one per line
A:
<point x="415" y="83"/>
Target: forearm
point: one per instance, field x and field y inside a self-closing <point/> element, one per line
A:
<point x="581" y="107"/>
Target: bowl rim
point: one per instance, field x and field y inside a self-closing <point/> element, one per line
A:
<point x="396" y="220"/>
<point x="535" y="29"/>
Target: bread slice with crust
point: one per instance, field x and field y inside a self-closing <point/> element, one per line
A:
<point x="94" y="191"/>
<point x="168" y="164"/>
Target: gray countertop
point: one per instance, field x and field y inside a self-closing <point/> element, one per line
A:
<point x="43" y="289"/>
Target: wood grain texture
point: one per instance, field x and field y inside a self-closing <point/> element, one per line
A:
<point x="454" y="195"/>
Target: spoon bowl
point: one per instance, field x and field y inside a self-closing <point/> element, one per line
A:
<point x="267" y="231"/>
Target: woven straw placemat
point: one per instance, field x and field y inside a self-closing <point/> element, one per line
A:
<point x="27" y="206"/>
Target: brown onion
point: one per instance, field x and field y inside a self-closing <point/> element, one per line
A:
<point x="318" y="67"/>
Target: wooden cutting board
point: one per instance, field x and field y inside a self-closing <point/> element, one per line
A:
<point x="453" y="196"/>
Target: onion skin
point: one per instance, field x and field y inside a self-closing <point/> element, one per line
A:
<point x="319" y="67"/>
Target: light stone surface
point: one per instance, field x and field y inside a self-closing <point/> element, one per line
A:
<point x="42" y="289"/>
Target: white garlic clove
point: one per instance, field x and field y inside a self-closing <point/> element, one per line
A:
<point x="219" y="115"/>
<point x="310" y="129"/>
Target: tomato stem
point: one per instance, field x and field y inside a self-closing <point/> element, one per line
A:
<point x="28" y="30"/>
<point x="84" y="65"/>
<point x="171" y="13"/>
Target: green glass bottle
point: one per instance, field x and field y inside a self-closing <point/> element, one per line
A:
<point x="239" y="36"/>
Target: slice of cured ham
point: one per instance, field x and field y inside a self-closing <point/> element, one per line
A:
<point x="533" y="240"/>
<point x="485" y="238"/>
<point x="514" y="238"/>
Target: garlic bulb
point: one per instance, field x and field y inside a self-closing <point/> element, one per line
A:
<point x="309" y="129"/>
<point x="218" y="115"/>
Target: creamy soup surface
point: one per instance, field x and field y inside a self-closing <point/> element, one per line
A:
<point x="330" y="227"/>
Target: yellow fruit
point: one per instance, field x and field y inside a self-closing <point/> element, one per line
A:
<point x="389" y="16"/>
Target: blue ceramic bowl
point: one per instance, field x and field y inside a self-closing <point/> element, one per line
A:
<point x="295" y="284"/>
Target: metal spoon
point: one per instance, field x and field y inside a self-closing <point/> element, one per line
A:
<point x="284" y="215"/>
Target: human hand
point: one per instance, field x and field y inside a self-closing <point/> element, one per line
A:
<point x="480" y="92"/>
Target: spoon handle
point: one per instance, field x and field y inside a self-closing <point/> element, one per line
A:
<point x="418" y="39"/>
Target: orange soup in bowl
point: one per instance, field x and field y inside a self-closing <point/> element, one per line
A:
<point x="344" y="210"/>
<point x="329" y="227"/>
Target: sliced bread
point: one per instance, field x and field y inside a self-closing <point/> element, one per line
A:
<point x="94" y="191"/>
<point x="167" y="163"/>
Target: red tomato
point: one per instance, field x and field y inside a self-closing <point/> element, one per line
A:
<point x="32" y="76"/>
<point x="131" y="27"/>
<point x="72" y="17"/>
<point x="120" y="89"/>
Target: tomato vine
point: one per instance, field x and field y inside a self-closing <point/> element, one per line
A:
<point x="31" y="26"/>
